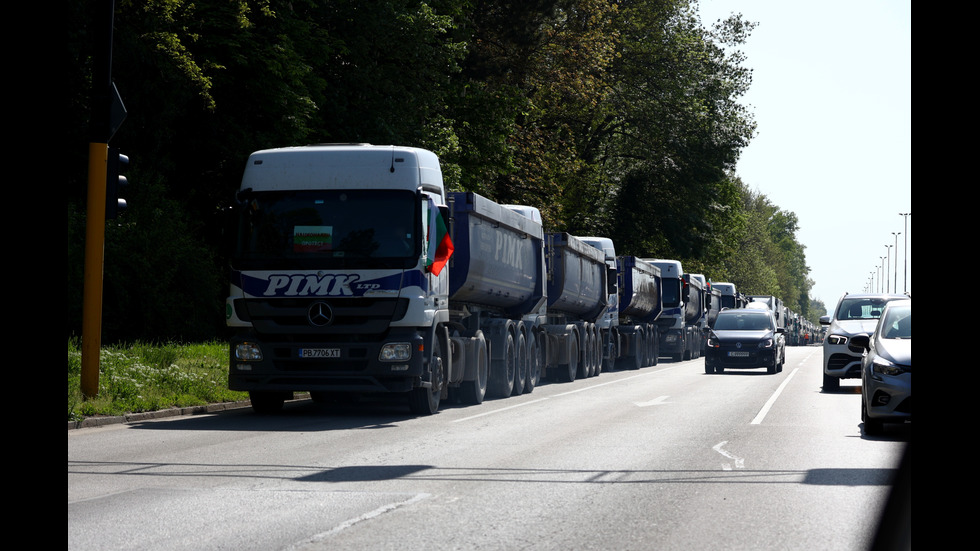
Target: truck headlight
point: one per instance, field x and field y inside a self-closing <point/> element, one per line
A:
<point x="395" y="352"/>
<point x="248" y="352"/>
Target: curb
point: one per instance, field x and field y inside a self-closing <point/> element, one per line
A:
<point x="105" y="420"/>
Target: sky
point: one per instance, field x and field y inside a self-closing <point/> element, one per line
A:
<point x="831" y="95"/>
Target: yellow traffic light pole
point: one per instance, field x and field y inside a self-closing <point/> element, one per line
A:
<point x="94" y="258"/>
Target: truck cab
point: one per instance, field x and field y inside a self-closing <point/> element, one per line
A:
<point x="334" y="287"/>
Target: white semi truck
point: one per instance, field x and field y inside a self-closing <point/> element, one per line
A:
<point x="355" y="272"/>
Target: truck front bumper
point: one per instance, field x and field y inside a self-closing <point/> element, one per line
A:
<point x="336" y="365"/>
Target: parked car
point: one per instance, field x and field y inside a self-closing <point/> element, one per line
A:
<point x="856" y="314"/>
<point x="745" y="338"/>
<point x="886" y="368"/>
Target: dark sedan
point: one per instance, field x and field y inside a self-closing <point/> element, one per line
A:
<point x="745" y="339"/>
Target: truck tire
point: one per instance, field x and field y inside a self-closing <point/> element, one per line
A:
<point x="611" y="351"/>
<point x="473" y="392"/>
<point x="585" y="367"/>
<point x="266" y="403"/>
<point x="655" y="348"/>
<point x="520" y="363"/>
<point x="567" y="371"/>
<point x="425" y="401"/>
<point x="533" y="364"/>
<point x="501" y="384"/>
<point x="597" y="353"/>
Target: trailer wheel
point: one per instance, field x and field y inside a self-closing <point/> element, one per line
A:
<point x="597" y="354"/>
<point x="533" y="364"/>
<point x="567" y="371"/>
<point x="502" y="371"/>
<point x="520" y="361"/>
<point x="585" y="356"/>
<point x="473" y="392"/>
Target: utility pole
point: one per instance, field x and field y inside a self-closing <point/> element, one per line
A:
<point x="107" y="114"/>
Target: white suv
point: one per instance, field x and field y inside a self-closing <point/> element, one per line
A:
<point x="856" y="314"/>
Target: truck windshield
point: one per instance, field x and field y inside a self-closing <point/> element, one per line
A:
<point x="329" y="229"/>
<point x="672" y="292"/>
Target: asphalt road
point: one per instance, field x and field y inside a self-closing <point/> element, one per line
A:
<point x="665" y="457"/>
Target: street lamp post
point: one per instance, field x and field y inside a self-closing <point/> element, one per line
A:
<point x="896" y="259"/>
<point x="905" y="215"/>
<point x="881" y="286"/>
<point x="888" y="256"/>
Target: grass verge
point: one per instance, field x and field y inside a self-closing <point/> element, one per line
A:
<point x="145" y="377"/>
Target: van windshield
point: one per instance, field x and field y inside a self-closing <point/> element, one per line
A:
<point x="328" y="229"/>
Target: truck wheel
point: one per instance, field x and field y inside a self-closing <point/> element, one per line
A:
<point x="425" y="401"/>
<point x="533" y="364"/>
<point x="520" y="365"/>
<point x="267" y="402"/>
<point x="502" y="371"/>
<point x="473" y="392"/>
<point x="611" y="348"/>
<point x="567" y="372"/>
<point x="585" y="367"/>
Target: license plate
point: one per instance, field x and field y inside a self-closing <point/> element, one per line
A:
<point x="738" y="354"/>
<point x="319" y="352"/>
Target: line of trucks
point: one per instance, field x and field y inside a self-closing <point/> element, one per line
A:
<point x="355" y="272"/>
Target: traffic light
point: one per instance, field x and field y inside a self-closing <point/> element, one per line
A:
<point x="115" y="183"/>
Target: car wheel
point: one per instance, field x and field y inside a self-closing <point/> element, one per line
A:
<point x="774" y="366"/>
<point x="872" y="427"/>
<point x="708" y="368"/>
<point x="830" y="383"/>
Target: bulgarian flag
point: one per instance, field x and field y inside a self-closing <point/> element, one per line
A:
<point x="440" y="246"/>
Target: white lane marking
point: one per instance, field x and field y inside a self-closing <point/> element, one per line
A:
<point x="739" y="462"/>
<point x="351" y="522"/>
<point x="583" y="389"/>
<point x="772" y="399"/>
<point x="655" y="402"/>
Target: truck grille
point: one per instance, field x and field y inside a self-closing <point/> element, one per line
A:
<point x="354" y="318"/>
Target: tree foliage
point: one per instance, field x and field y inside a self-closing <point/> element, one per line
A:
<point x="619" y="118"/>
